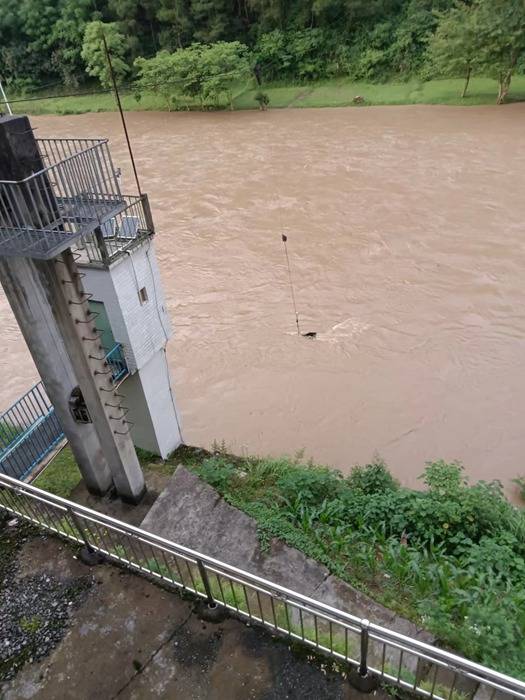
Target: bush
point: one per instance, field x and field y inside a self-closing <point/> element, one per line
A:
<point x="373" y="478"/>
<point x="451" y="557"/>
<point x="312" y="485"/>
<point x="263" y="99"/>
<point x="217" y="471"/>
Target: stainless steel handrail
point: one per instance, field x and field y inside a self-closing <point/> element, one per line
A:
<point x="370" y="648"/>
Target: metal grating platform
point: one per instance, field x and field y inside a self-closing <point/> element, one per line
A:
<point x="74" y="193"/>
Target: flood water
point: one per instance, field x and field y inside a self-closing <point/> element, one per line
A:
<point x="405" y="230"/>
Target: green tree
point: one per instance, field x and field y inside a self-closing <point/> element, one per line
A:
<point x="271" y="14"/>
<point x="178" y="75"/>
<point x="41" y="40"/>
<point x="311" y="50"/>
<point x="213" y="20"/>
<point x="405" y="54"/>
<point x="26" y="41"/>
<point x="272" y="55"/>
<point x="501" y="33"/>
<point x="94" y="55"/>
<point x="284" y="14"/>
<point x="66" y="55"/>
<point x="489" y="35"/>
<point x="453" y="49"/>
<point x="138" y="21"/>
<point x="176" y="23"/>
<point x="191" y="72"/>
<point x="224" y="64"/>
<point x="38" y="18"/>
<point x="157" y="75"/>
<point x="12" y="47"/>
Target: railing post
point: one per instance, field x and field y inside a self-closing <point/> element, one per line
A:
<point x="363" y="666"/>
<point x="147" y="213"/>
<point x="88" y="555"/>
<point x="360" y="678"/>
<point x="206" y="582"/>
<point x="101" y="244"/>
<point x="209" y="611"/>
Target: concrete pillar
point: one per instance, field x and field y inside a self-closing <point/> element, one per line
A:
<point x="77" y="327"/>
<point x="49" y="302"/>
<point x="26" y="291"/>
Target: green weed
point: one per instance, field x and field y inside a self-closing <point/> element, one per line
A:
<point x="30" y="625"/>
<point x="520" y="482"/>
<point x="451" y="557"/>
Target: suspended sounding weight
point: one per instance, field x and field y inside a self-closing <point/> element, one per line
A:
<point x="310" y="334"/>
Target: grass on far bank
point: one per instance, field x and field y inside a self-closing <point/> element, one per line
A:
<point x="331" y="93"/>
<point x="451" y="557"/>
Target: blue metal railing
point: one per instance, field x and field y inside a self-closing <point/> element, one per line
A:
<point x="115" y="359"/>
<point x="29" y="430"/>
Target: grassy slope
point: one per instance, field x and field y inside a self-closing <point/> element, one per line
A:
<point x="333" y="93"/>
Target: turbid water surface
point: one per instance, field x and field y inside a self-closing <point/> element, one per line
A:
<point x="405" y="230"/>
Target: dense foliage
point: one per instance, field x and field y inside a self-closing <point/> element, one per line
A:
<point x="451" y="556"/>
<point x="200" y="70"/>
<point x="41" y="41"/>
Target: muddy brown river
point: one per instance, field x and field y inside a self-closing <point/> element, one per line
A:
<point x="405" y="230"/>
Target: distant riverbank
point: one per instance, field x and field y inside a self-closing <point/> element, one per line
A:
<point x="334" y="93"/>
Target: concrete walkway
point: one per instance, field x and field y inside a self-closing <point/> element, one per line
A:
<point x="132" y="640"/>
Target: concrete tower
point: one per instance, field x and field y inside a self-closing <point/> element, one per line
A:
<point x="78" y="267"/>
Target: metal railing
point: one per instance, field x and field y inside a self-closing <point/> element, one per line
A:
<point x="76" y="191"/>
<point x="371" y="650"/>
<point x="29" y="431"/>
<point x="116" y="235"/>
<point x="117" y="363"/>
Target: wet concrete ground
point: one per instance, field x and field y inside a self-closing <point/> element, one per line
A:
<point x="130" y="639"/>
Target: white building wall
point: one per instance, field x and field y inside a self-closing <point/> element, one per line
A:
<point x="142" y="432"/>
<point x="143" y="328"/>
<point x="152" y="407"/>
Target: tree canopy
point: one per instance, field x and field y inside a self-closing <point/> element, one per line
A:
<point x="202" y="71"/>
<point x="485" y="36"/>
<point x="52" y="42"/>
<point x="94" y="52"/>
<point x="453" y="48"/>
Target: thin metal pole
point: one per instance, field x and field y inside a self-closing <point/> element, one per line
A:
<point x="206" y="582"/>
<point x="284" y="240"/>
<point x="4" y="98"/>
<point x="119" y="105"/>
<point x="80" y="529"/>
<point x="363" y="666"/>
